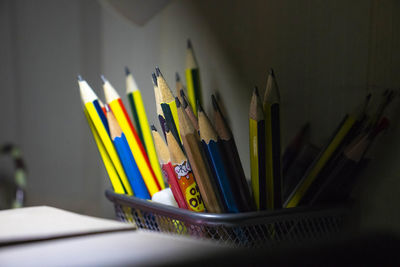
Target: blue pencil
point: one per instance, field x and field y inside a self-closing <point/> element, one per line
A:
<point x="212" y="148"/>
<point x="128" y="162"/>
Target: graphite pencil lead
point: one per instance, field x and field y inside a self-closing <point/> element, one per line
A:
<point x="104" y="80"/>
<point x="214" y="103"/>
<point x="158" y="72"/>
<point x="127" y="71"/>
<point x="154" y="77"/>
<point x="189" y="44"/>
<point x="178" y="103"/>
<point x="271" y="72"/>
<point x="182" y="93"/>
<point x="80" y="78"/>
<point x="153" y="128"/>
<point x="177" y="77"/>
<point x="184" y="102"/>
<point x="199" y="107"/>
<point x="255" y="91"/>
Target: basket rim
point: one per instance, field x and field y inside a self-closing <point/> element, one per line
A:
<point x="226" y="219"/>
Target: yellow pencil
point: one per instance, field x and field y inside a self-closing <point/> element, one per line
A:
<point x="192" y="78"/>
<point x="101" y="134"/>
<point x="168" y="105"/>
<point x="138" y="151"/>
<point x="273" y="143"/>
<point x="257" y="151"/>
<point x="137" y="103"/>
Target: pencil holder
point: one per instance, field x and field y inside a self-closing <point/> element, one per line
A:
<point x="250" y="229"/>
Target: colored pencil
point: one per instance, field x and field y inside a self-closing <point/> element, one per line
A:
<point x="323" y="158"/>
<point x="160" y="113"/>
<point x="138" y="151"/>
<point x="183" y="171"/>
<point x="168" y="106"/>
<point x="126" y="157"/>
<point x="192" y="78"/>
<point x="232" y="161"/>
<point x="106" y="148"/>
<point x="178" y="86"/>
<point x="166" y="166"/>
<point x="214" y="153"/>
<point x="189" y="111"/>
<point x="132" y="87"/>
<point x="135" y="98"/>
<point x="257" y="151"/>
<point x="207" y="185"/>
<point x="338" y="184"/>
<point x="273" y="143"/>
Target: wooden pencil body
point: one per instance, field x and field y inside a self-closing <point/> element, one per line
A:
<point x="236" y="176"/>
<point x="257" y="161"/>
<point x="273" y="156"/>
<point x="214" y="156"/>
<point x="207" y="186"/>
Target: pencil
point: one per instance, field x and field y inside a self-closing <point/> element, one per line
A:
<point x="192" y="78"/>
<point x="322" y="159"/>
<point x="168" y="106"/>
<point x="257" y="151"/>
<point x="166" y="166"/>
<point x="132" y="87"/>
<point x="273" y="143"/>
<point x="138" y="151"/>
<point x="184" y="173"/>
<point x="214" y="153"/>
<point x="126" y="157"/>
<point x="135" y="98"/>
<point x="160" y="114"/>
<point x="107" y="151"/>
<point x="208" y="187"/>
<point x="338" y="184"/>
<point x="189" y="111"/>
<point x="178" y="86"/>
<point x="232" y="161"/>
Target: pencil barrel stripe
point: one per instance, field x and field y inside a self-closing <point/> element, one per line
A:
<point x="112" y="172"/>
<point x="131" y="169"/>
<point x="135" y="116"/>
<point x="147" y="137"/>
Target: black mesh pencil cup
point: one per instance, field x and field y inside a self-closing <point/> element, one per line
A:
<point x="250" y="229"/>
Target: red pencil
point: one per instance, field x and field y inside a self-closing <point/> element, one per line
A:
<point x="167" y="168"/>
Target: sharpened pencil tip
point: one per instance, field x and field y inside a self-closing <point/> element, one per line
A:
<point x="199" y="107"/>
<point x="255" y="91"/>
<point x="182" y="93"/>
<point x="127" y="71"/>
<point x="166" y="128"/>
<point x="80" y="78"/>
<point x="158" y="72"/>
<point x="189" y="44"/>
<point x="154" y="77"/>
<point x="177" y="78"/>
<point x="107" y="108"/>
<point x="214" y="102"/>
<point x="104" y="80"/>
<point x="153" y="128"/>
<point x="178" y="103"/>
<point x="271" y="72"/>
<point x="184" y="102"/>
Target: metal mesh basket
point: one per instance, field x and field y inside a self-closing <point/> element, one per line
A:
<point x="250" y="229"/>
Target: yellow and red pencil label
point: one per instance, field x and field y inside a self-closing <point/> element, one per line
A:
<point x="189" y="187"/>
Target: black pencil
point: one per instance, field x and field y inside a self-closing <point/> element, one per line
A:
<point x="232" y="161"/>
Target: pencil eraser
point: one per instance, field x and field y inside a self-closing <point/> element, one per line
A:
<point x="166" y="197"/>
